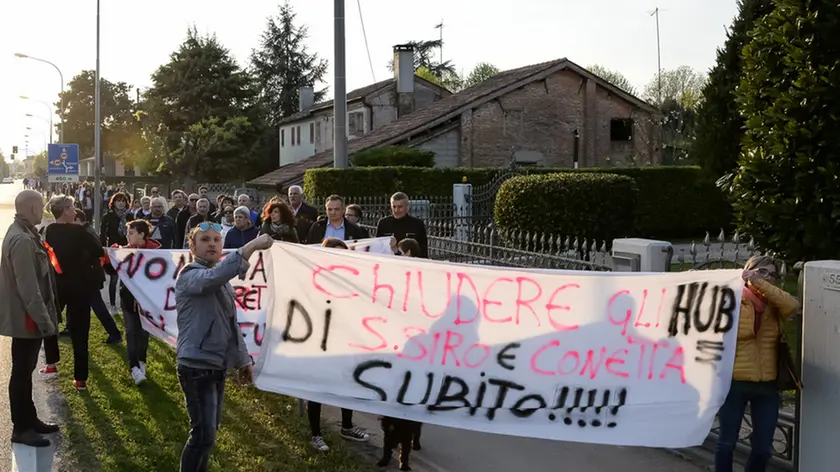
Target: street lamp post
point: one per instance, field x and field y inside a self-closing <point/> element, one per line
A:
<point x="49" y="111"/>
<point x="60" y="95"/>
<point x="97" y="151"/>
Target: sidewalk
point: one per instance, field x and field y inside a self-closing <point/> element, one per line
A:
<point x="455" y="450"/>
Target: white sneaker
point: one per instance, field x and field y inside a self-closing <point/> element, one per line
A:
<point x="143" y="368"/>
<point x="114" y="310"/>
<point x="138" y="375"/>
<point x="319" y="444"/>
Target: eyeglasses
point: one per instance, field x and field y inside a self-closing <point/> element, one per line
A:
<point x="765" y="272"/>
<point x="206" y="225"/>
<point x="228" y="213"/>
<point x="193" y="199"/>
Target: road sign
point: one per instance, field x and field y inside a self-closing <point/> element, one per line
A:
<point x="63" y="159"/>
<point x="61" y="179"/>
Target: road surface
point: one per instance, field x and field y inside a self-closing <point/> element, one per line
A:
<point x="46" y="396"/>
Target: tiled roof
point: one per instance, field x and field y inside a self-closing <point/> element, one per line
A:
<point x="432" y="115"/>
<point x="353" y="95"/>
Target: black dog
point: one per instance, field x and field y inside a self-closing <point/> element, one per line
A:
<point x="405" y="433"/>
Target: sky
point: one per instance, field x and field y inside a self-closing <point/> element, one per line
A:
<point x="137" y="37"/>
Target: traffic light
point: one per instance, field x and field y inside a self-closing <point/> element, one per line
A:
<point x="14" y="150"/>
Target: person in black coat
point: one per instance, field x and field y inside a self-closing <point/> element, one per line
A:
<point x="334" y="225"/>
<point x="112" y="231"/>
<point x="353" y="213"/>
<point x="305" y="215"/>
<point x="401" y="225"/>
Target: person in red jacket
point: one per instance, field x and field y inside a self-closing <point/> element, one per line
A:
<point x="139" y="236"/>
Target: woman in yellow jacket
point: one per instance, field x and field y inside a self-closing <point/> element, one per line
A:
<point x="763" y="307"/>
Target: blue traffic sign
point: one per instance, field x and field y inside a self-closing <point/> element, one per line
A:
<point x="63" y="159"/>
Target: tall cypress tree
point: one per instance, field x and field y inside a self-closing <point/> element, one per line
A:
<point x="719" y="125"/>
<point x="786" y="187"/>
<point x="282" y="64"/>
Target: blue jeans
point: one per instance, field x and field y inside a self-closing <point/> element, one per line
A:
<point x="204" y="392"/>
<point x="763" y="399"/>
<point x="112" y="289"/>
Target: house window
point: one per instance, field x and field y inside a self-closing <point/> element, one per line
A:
<point x="298" y="135"/>
<point x="311" y="132"/>
<point x="317" y="132"/>
<point x="356" y="123"/>
<point x="282" y="138"/>
<point x="292" y="134"/>
<point x="621" y="129"/>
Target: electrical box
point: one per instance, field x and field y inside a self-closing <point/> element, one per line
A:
<point x="643" y="255"/>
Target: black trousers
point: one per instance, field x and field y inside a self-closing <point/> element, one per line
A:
<point x="24" y="360"/>
<point x="313" y="410"/>
<point x="78" y="321"/>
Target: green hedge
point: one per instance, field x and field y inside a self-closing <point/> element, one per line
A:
<point x="589" y="205"/>
<point x="394" y="156"/>
<point x="672" y="202"/>
<point x="379" y="181"/>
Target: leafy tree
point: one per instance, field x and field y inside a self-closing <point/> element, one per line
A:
<point x="678" y="133"/>
<point x="720" y="126"/>
<point x="785" y="190"/>
<point x="481" y="72"/>
<point x="683" y="85"/>
<point x="116" y="108"/>
<point x="282" y="64"/>
<point x="614" y="77"/>
<point x="202" y="85"/>
<point x="4" y="167"/>
<point x="39" y="164"/>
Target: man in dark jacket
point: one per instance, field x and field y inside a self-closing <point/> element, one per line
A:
<point x="401" y="225"/>
<point x="334" y="225"/>
<point x="305" y="215"/>
<point x="164" y="227"/>
<point x="183" y="218"/>
<point x="202" y="214"/>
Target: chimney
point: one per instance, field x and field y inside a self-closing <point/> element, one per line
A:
<point x="306" y="98"/>
<point x="404" y="76"/>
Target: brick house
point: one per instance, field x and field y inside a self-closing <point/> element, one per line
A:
<point x="550" y="114"/>
<point x="310" y="131"/>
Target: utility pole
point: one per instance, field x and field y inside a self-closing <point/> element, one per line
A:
<point x="340" y="101"/>
<point x="97" y="133"/>
<point x="658" y="58"/>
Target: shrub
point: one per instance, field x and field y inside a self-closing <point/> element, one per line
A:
<point x="379" y="181"/>
<point x="676" y="202"/>
<point x="394" y="156"/>
<point x="672" y="202"/>
<point x="590" y="205"/>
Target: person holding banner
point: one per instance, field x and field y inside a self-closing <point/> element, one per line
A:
<point x="401" y="225"/>
<point x="764" y="310"/>
<point x="313" y="409"/>
<point x="139" y="235"/>
<point x="209" y="338"/>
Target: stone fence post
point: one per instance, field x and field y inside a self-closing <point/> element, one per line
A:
<point x="819" y="417"/>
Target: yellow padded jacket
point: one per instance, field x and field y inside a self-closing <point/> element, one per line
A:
<point x="756" y="353"/>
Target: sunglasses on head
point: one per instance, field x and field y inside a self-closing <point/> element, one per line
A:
<point x="206" y="225"/>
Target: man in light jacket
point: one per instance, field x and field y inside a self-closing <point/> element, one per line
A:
<point x="28" y="313"/>
<point x="209" y="339"/>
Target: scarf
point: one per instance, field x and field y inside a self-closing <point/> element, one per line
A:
<point x="121" y="230"/>
<point x="758" y="303"/>
<point x="279" y="229"/>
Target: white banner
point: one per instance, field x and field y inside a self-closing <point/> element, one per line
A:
<point x="150" y="275"/>
<point x="625" y="359"/>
